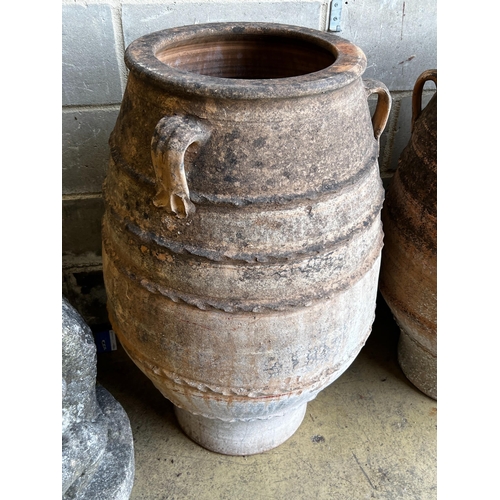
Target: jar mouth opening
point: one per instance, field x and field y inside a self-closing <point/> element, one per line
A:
<point x="247" y="56"/>
<point x="245" y="60"/>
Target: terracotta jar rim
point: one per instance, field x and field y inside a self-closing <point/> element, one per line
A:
<point x="157" y="58"/>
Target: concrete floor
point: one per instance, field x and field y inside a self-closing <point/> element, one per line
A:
<point x="370" y="434"/>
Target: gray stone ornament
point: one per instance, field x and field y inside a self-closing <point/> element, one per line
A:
<point x="97" y="443"/>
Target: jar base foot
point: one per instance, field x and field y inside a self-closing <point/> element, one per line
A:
<point x="240" y="437"/>
<point x="418" y="365"/>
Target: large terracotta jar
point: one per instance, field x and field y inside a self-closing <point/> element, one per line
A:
<point x="408" y="278"/>
<point x="242" y="233"/>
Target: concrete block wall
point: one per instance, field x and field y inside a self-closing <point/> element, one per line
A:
<point x="398" y="37"/>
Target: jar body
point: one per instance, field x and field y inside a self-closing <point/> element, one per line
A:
<point x="260" y="290"/>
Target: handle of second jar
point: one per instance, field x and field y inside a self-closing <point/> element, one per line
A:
<point x="384" y="102"/>
<point x="171" y="138"/>
<point x="416" y="101"/>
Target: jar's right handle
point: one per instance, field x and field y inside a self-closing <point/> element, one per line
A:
<point x="416" y="103"/>
<point x="384" y="102"/>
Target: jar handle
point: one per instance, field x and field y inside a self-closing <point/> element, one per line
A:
<point x="171" y="138"/>
<point x="384" y="102"/>
<point x="416" y="102"/>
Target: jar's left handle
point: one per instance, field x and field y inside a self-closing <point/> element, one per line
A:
<point x="171" y="138"/>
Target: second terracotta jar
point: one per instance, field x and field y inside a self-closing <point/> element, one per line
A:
<point x="408" y="278"/>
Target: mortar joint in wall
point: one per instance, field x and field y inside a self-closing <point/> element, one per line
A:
<point x="69" y="267"/>
<point x="117" y="20"/>
<point x="76" y="108"/>
<point x="81" y="196"/>
<point x="391" y="133"/>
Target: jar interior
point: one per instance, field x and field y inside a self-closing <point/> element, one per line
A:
<point x="255" y="56"/>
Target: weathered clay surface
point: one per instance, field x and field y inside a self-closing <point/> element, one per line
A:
<point x="242" y="233"/>
<point x="97" y="445"/>
<point x="409" y="264"/>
